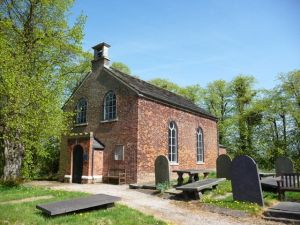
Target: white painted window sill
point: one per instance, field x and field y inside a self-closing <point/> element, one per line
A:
<point x="108" y="121"/>
<point x="200" y="163"/>
<point x="80" y="124"/>
<point x="174" y="164"/>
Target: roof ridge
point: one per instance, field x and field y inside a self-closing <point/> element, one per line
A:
<point x="153" y="92"/>
<point x="165" y="90"/>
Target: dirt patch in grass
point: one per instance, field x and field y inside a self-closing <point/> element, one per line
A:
<point x="26" y="199"/>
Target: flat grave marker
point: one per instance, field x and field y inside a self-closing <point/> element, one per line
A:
<point x="78" y="204"/>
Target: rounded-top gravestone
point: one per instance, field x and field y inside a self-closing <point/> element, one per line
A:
<point x="283" y="165"/>
<point x="245" y="180"/>
<point x="223" y="166"/>
<point x="162" y="170"/>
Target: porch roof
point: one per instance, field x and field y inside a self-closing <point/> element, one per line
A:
<point x="97" y="144"/>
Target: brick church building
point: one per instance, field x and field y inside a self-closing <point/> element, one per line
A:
<point x="123" y="122"/>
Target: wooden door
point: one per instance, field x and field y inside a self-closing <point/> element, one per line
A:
<point x="77" y="164"/>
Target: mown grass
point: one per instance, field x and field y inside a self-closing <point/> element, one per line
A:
<point x="26" y="213"/>
<point x="214" y="197"/>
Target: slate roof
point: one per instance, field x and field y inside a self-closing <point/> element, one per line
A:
<point x="97" y="144"/>
<point x="156" y="93"/>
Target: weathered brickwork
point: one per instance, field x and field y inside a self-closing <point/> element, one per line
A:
<point x="122" y="131"/>
<point x="141" y="127"/>
<point x="153" y="122"/>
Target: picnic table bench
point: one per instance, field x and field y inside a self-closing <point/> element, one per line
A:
<point x="193" y="175"/>
<point x="192" y="190"/>
<point x="115" y="175"/>
<point x="266" y="174"/>
<point x="78" y="204"/>
<point x="288" y="182"/>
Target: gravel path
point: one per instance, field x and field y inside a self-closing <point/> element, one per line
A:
<point x="171" y="211"/>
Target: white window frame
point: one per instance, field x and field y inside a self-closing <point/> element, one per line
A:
<point x="119" y="153"/>
<point x="110" y="106"/>
<point x="200" y="146"/>
<point x="173" y="142"/>
<point x="81" y="111"/>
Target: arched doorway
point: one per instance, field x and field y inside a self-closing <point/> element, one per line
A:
<point x="77" y="164"/>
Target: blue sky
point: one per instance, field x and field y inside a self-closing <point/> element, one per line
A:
<point x="197" y="41"/>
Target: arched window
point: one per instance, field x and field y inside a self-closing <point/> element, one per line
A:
<point x="110" y="106"/>
<point x="173" y="143"/>
<point x="81" y="108"/>
<point x="200" y="148"/>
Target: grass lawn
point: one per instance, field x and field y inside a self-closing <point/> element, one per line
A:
<point x="26" y="213"/>
<point x="224" y="189"/>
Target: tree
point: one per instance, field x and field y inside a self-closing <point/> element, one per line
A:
<point x="246" y="114"/>
<point x="166" y="84"/>
<point x="193" y="93"/>
<point x="39" y="56"/>
<point x="218" y="102"/>
<point x="290" y="85"/>
<point x="122" y="67"/>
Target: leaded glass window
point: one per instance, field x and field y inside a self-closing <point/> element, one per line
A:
<point x="81" y="108"/>
<point x="173" y="143"/>
<point x="110" y="106"/>
<point x="200" y="148"/>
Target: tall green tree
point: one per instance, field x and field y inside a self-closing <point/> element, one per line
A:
<point x="193" y="93"/>
<point x="218" y="101"/>
<point x="290" y="85"/>
<point x="39" y="55"/>
<point x="122" y="67"/>
<point x="247" y="116"/>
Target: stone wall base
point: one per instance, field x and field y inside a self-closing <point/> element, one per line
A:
<point x="84" y="179"/>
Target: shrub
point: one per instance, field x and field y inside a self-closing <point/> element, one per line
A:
<point x="162" y="187"/>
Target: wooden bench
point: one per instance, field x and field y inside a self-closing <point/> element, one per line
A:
<point x="192" y="190"/>
<point x="115" y="175"/>
<point x="288" y="182"/>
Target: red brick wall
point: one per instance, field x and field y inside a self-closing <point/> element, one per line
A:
<point x="142" y="127"/>
<point x="153" y="122"/>
<point x="98" y="163"/>
<point x="120" y="132"/>
<point x="85" y="144"/>
<point x="222" y="150"/>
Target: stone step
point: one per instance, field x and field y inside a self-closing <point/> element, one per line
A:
<point x="284" y="211"/>
<point x="282" y="220"/>
<point x="282" y="214"/>
<point x="173" y="191"/>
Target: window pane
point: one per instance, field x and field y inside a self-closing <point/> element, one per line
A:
<point x="110" y="106"/>
<point x="200" y="149"/>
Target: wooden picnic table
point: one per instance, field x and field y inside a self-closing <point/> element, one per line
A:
<point x="266" y="174"/>
<point x="193" y="175"/>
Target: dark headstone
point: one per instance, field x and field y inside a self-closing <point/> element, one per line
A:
<point x="162" y="170"/>
<point x="78" y="204"/>
<point x="245" y="180"/>
<point x="223" y="166"/>
<point x="283" y="165"/>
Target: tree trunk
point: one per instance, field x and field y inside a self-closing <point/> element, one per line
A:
<point x="13" y="157"/>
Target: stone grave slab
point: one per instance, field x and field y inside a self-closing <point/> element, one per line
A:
<point x="283" y="165"/>
<point x="78" y="204"/>
<point x="285" y="211"/>
<point x="245" y="180"/>
<point x="223" y="166"/>
<point x="162" y="170"/>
